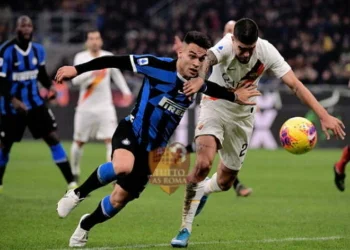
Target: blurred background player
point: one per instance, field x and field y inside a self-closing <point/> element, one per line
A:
<point x="339" y="168"/>
<point x="238" y="59"/>
<point x="95" y="115"/>
<point x="22" y="64"/>
<point x="237" y="186"/>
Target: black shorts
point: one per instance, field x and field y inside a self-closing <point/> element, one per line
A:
<point x="135" y="182"/>
<point x="40" y="121"/>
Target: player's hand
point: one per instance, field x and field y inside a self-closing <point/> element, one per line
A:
<point x="335" y="125"/>
<point x="52" y="93"/>
<point x="244" y="92"/>
<point x="19" y="106"/>
<point x="126" y="100"/>
<point x="193" y="86"/>
<point x="65" y="72"/>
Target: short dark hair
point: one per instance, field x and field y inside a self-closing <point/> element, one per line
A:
<point x="246" y="31"/>
<point x="198" y="38"/>
<point x="91" y="30"/>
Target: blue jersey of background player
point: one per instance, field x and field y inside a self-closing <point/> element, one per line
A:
<point x="22" y="65"/>
<point x="159" y="108"/>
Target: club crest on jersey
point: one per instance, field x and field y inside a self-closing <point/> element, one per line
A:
<point x="142" y="61"/>
<point x="1" y="61"/>
<point x="34" y="61"/>
<point x="126" y="141"/>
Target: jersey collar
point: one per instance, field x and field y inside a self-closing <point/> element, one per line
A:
<point x="24" y="53"/>
<point x="181" y="77"/>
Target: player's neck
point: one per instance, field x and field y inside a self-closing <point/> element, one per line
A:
<point x="22" y="43"/>
<point x="95" y="53"/>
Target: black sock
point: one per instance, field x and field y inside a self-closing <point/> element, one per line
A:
<point x="236" y="183"/>
<point x="2" y="172"/>
<point x="66" y="170"/>
<point x="92" y="183"/>
<point x="96" y="217"/>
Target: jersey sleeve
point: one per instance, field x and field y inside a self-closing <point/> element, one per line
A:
<point x="223" y="49"/>
<point x="150" y="65"/>
<point x="276" y="62"/>
<point x="83" y="79"/>
<point x="77" y="60"/>
<point x="4" y="63"/>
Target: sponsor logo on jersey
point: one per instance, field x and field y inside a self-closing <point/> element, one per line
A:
<point x="26" y="75"/>
<point x="171" y="106"/>
<point x="142" y="61"/>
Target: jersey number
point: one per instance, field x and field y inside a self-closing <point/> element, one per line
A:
<point x="243" y="151"/>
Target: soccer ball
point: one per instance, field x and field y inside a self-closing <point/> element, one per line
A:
<point x="298" y="135"/>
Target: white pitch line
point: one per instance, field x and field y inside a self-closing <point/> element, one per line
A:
<point x="215" y="242"/>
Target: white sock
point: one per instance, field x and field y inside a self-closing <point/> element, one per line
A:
<point x="193" y="195"/>
<point x="109" y="151"/>
<point x="75" y="155"/>
<point x="211" y="185"/>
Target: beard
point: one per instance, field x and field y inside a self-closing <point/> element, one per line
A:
<point x="22" y="39"/>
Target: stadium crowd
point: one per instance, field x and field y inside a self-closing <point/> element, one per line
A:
<point x="313" y="36"/>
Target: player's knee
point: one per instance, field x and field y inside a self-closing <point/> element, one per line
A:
<point x="51" y="139"/>
<point x="226" y="178"/>
<point x="119" y="197"/>
<point x="203" y="164"/>
<point x="123" y="161"/>
<point x="122" y="168"/>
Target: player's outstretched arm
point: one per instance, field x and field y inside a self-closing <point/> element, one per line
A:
<point x="328" y="122"/>
<point x="241" y="95"/>
<point x="69" y="72"/>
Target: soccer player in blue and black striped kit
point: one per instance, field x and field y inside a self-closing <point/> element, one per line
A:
<point x="22" y="65"/>
<point x="158" y="110"/>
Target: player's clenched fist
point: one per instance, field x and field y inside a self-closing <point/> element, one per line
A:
<point x="65" y="72"/>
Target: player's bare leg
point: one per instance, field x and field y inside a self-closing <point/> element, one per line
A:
<point x="60" y="157"/>
<point x="76" y="151"/>
<point x="121" y="165"/>
<point x="206" y="149"/>
<point x="106" y="209"/>
<point x="238" y="187"/>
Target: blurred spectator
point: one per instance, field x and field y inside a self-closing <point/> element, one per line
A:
<point x="313" y="36"/>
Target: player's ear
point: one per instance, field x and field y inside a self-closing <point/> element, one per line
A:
<point x="179" y="53"/>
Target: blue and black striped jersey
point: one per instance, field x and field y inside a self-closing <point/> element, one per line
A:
<point x="21" y="69"/>
<point x="161" y="103"/>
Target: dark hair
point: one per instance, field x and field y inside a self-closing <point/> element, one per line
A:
<point x="92" y="30"/>
<point x="246" y="31"/>
<point x="198" y="38"/>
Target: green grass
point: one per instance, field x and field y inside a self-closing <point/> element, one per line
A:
<point x="294" y="197"/>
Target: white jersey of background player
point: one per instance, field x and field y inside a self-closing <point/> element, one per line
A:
<point x="95" y="115"/>
<point x="239" y="59"/>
